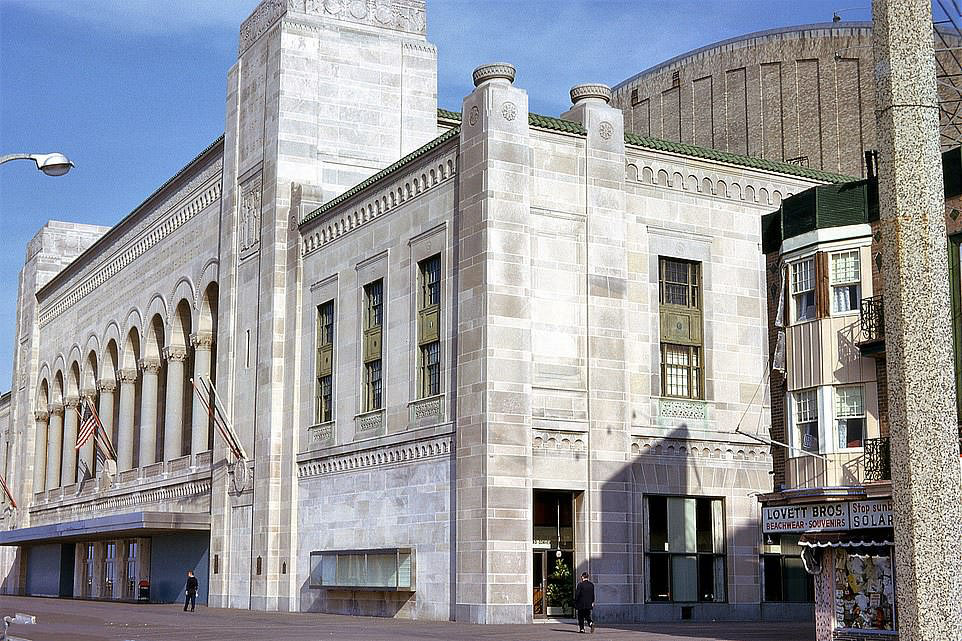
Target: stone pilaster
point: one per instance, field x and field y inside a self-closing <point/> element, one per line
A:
<point x="174" y="407"/>
<point x="68" y="459"/>
<point x="54" y="441"/>
<point x="148" y="412"/>
<point x="41" y="417"/>
<point x="125" y="418"/>
<point x="607" y="307"/>
<point x="926" y="497"/>
<point x="494" y="326"/>
<point x="200" y="419"/>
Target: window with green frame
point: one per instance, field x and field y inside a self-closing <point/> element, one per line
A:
<point x="323" y="391"/>
<point x="373" y="321"/>
<point x="429" y="321"/>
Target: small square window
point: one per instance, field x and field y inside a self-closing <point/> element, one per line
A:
<point x="850" y="416"/>
<point x="846" y="281"/>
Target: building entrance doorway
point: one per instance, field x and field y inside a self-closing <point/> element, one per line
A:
<point x="552" y="567"/>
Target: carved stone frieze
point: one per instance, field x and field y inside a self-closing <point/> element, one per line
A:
<point x="202" y="341"/>
<point x="127" y="376"/>
<point x="175" y="353"/>
<point x="150" y="366"/>
<point x="424" y="177"/>
<point x="41" y="416"/>
<point x="321" y="434"/>
<point x="427" y="408"/>
<point x="56" y="409"/>
<point x="696" y="448"/>
<point x="265" y="15"/>
<point x="683" y="409"/>
<point x="387" y="455"/>
<point x="557" y="441"/>
<point x="107" y="385"/>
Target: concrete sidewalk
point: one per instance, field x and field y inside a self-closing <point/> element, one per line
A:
<point x="68" y="620"/>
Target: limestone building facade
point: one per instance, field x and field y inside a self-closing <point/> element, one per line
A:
<point x="803" y="94"/>
<point x="466" y="355"/>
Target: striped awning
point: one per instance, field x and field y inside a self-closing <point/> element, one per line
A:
<point x="848" y="539"/>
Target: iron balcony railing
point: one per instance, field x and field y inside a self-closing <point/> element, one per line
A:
<point x="872" y="319"/>
<point x="878" y="466"/>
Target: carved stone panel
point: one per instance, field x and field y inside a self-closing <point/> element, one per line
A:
<point x="249" y="217"/>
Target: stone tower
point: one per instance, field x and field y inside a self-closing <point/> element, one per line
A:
<point x="323" y="95"/>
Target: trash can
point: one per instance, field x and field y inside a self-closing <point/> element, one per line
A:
<point x="143" y="591"/>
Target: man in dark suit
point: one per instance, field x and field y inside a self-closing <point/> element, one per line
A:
<point x="190" y="591"/>
<point x="584" y="602"/>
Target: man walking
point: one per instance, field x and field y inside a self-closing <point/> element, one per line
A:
<point x="584" y="602"/>
<point x="191" y="591"/>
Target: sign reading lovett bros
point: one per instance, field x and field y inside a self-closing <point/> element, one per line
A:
<point x="827" y="517"/>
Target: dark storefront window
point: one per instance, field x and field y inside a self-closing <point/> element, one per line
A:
<point x="686" y="549"/>
<point x="783" y="576"/>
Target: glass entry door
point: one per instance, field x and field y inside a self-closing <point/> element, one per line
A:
<point x="552" y="568"/>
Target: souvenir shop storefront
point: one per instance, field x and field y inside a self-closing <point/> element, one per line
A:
<point x="848" y="546"/>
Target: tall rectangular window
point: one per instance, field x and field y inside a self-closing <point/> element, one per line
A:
<point x="429" y="321"/>
<point x="373" y="320"/>
<point x="803" y="289"/>
<point x="685" y="558"/>
<point x="846" y="281"/>
<point x="680" y="298"/>
<point x="850" y="416"/>
<point x="783" y="575"/>
<point x="806" y="419"/>
<point x="323" y="394"/>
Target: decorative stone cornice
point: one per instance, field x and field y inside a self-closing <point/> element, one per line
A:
<point x="41" y="416"/>
<point x="127" y="376"/>
<point x="203" y="341"/>
<point x="265" y="15"/>
<point x="692" y="448"/>
<point x="493" y="71"/>
<point x="175" y="353"/>
<point x="56" y="409"/>
<point x="388" y="455"/>
<point x="420" y="179"/>
<point x="150" y="366"/>
<point x="107" y="385"/>
<point x="590" y="91"/>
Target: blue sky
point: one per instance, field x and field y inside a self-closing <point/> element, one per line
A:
<point x="131" y="90"/>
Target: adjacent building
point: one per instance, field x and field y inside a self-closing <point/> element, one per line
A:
<point x="831" y="509"/>
<point x="465" y="355"/>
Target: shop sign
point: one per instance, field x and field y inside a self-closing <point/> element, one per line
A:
<point x="826" y="517"/>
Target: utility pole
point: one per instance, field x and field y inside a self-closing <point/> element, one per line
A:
<point x="926" y="498"/>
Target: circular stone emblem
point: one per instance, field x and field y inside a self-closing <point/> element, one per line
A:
<point x="509" y="111"/>
<point x="475" y="114"/>
<point x="605" y="130"/>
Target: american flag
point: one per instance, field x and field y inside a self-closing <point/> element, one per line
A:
<point x="89" y="423"/>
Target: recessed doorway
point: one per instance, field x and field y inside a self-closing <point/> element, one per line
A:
<point x="553" y="569"/>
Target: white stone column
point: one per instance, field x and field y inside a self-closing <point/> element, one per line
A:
<point x="148" y="412"/>
<point x="54" y="439"/>
<point x="174" y="407"/>
<point x="40" y="453"/>
<point x="68" y="461"/>
<point x="125" y="420"/>
<point x="200" y="419"/>
<point x="926" y="498"/>
<point x="87" y="451"/>
<point x="105" y="409"/>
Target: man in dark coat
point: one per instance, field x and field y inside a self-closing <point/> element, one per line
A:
<point x="584" y="602"/>
<point x="190" y="591"/>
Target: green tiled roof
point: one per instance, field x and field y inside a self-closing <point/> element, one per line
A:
<point x="534" y="120"/>
<point x="735" y="159"/>
<point x="361" y="186"/>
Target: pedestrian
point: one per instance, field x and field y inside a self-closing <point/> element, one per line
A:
<point x="584" y="602"/>
<point x="191" y="591"/>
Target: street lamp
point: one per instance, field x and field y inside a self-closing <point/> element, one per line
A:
<point x="55" y="164"/>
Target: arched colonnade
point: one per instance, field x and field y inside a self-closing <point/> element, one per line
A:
<point x="137" y="374"/>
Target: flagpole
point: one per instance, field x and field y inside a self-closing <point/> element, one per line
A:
<point x="219" y="406"/>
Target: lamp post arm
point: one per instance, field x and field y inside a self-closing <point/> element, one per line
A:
<point x="9" y="157"/>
